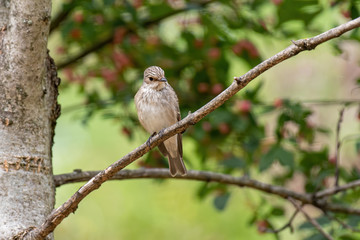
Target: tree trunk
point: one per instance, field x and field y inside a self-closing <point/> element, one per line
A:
<point x="28" y="113"/>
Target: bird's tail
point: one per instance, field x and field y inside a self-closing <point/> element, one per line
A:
<point x="177" y="166"/>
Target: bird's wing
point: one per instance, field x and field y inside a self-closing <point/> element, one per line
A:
<point x="163" y="149"/>
<point x="179" y="143"/>
<point x="179" y="137"/>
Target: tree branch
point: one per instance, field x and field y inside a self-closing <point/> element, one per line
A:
<point x="314" y="199"/>
<point x="62" y="15"/>
<point x="80" y="176"/>
<point x="56" y="217"/>
<point x="86" y="52"/>
<point x="311" y="220"/>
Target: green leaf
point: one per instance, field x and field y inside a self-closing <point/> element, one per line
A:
<point x="323" y="130"/>
<point x="109" y="2"/>
<point x="316" y="236"/>
<point x="323" y="220"/>
<point x="221" y="115"/>
<point x="302" y="10"/>
<point x="312" y="159"/>
<point x="349" y="237"/>
<point x="204" y="190"/>
<point x="285" y="157"/>
<point x="266" y="160"/>
<point x="277" y="211"/>
<point x="159" y="10"/>
<point x="354" y="10"/>
<point x="207" y="188"/>
<point x="234" y="162"/>
<point x="250" y="144"/>
<point x="358" y="81"/>
<point x="110" y="115"/>
<point x="218" y="25"/>
<point x="220" y="201"/>
<point x="252" y="93"/>
<point x="354" y="221"/>
<point x="357" y="146"/>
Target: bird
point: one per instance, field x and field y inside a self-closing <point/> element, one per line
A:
<point x="157" y="108"/>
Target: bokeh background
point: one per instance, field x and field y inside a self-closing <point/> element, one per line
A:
<point x="101" y="49"/>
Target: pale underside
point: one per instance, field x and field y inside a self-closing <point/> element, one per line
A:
<point x="159" y="109"/>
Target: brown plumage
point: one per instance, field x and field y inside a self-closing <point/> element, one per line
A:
<point x="158" y="108"/>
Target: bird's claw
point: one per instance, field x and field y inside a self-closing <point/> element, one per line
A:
<point x="148" y="142"/>
<point x="161" y="133"/>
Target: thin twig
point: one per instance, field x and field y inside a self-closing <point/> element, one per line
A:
<point x="343" y="224"/>
<point x="338" y="144"/>
<point x="327" y="102"/>
<point x="311" y="220"/>
<point x="287" y="225"/>
<point x="57" y="215"/>
<point x="334" y="190"/>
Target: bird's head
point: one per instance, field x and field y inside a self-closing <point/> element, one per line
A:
<point x="154" y="77"/>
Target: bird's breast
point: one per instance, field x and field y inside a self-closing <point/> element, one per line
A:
<point x="156" y="110"/>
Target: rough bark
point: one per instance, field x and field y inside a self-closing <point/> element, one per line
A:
<point x="28" y="112"/>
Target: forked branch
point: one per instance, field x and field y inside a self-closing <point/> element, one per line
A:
<point x="311" y="220"/>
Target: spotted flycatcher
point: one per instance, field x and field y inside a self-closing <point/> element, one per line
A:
<point x="158" y="108"/>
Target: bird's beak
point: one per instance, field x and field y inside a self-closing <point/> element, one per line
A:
<point x="163" y="80"/>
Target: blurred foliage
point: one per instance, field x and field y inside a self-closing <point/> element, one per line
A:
<point x="106" y="45"/>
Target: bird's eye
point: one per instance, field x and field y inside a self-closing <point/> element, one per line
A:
<point x="150" y="78"/>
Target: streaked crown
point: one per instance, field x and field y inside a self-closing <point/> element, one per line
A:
<point x="155" y="72"/>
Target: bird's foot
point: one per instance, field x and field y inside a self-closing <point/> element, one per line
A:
<point x="161" y="133"/>
<point x="148" y="142"/>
